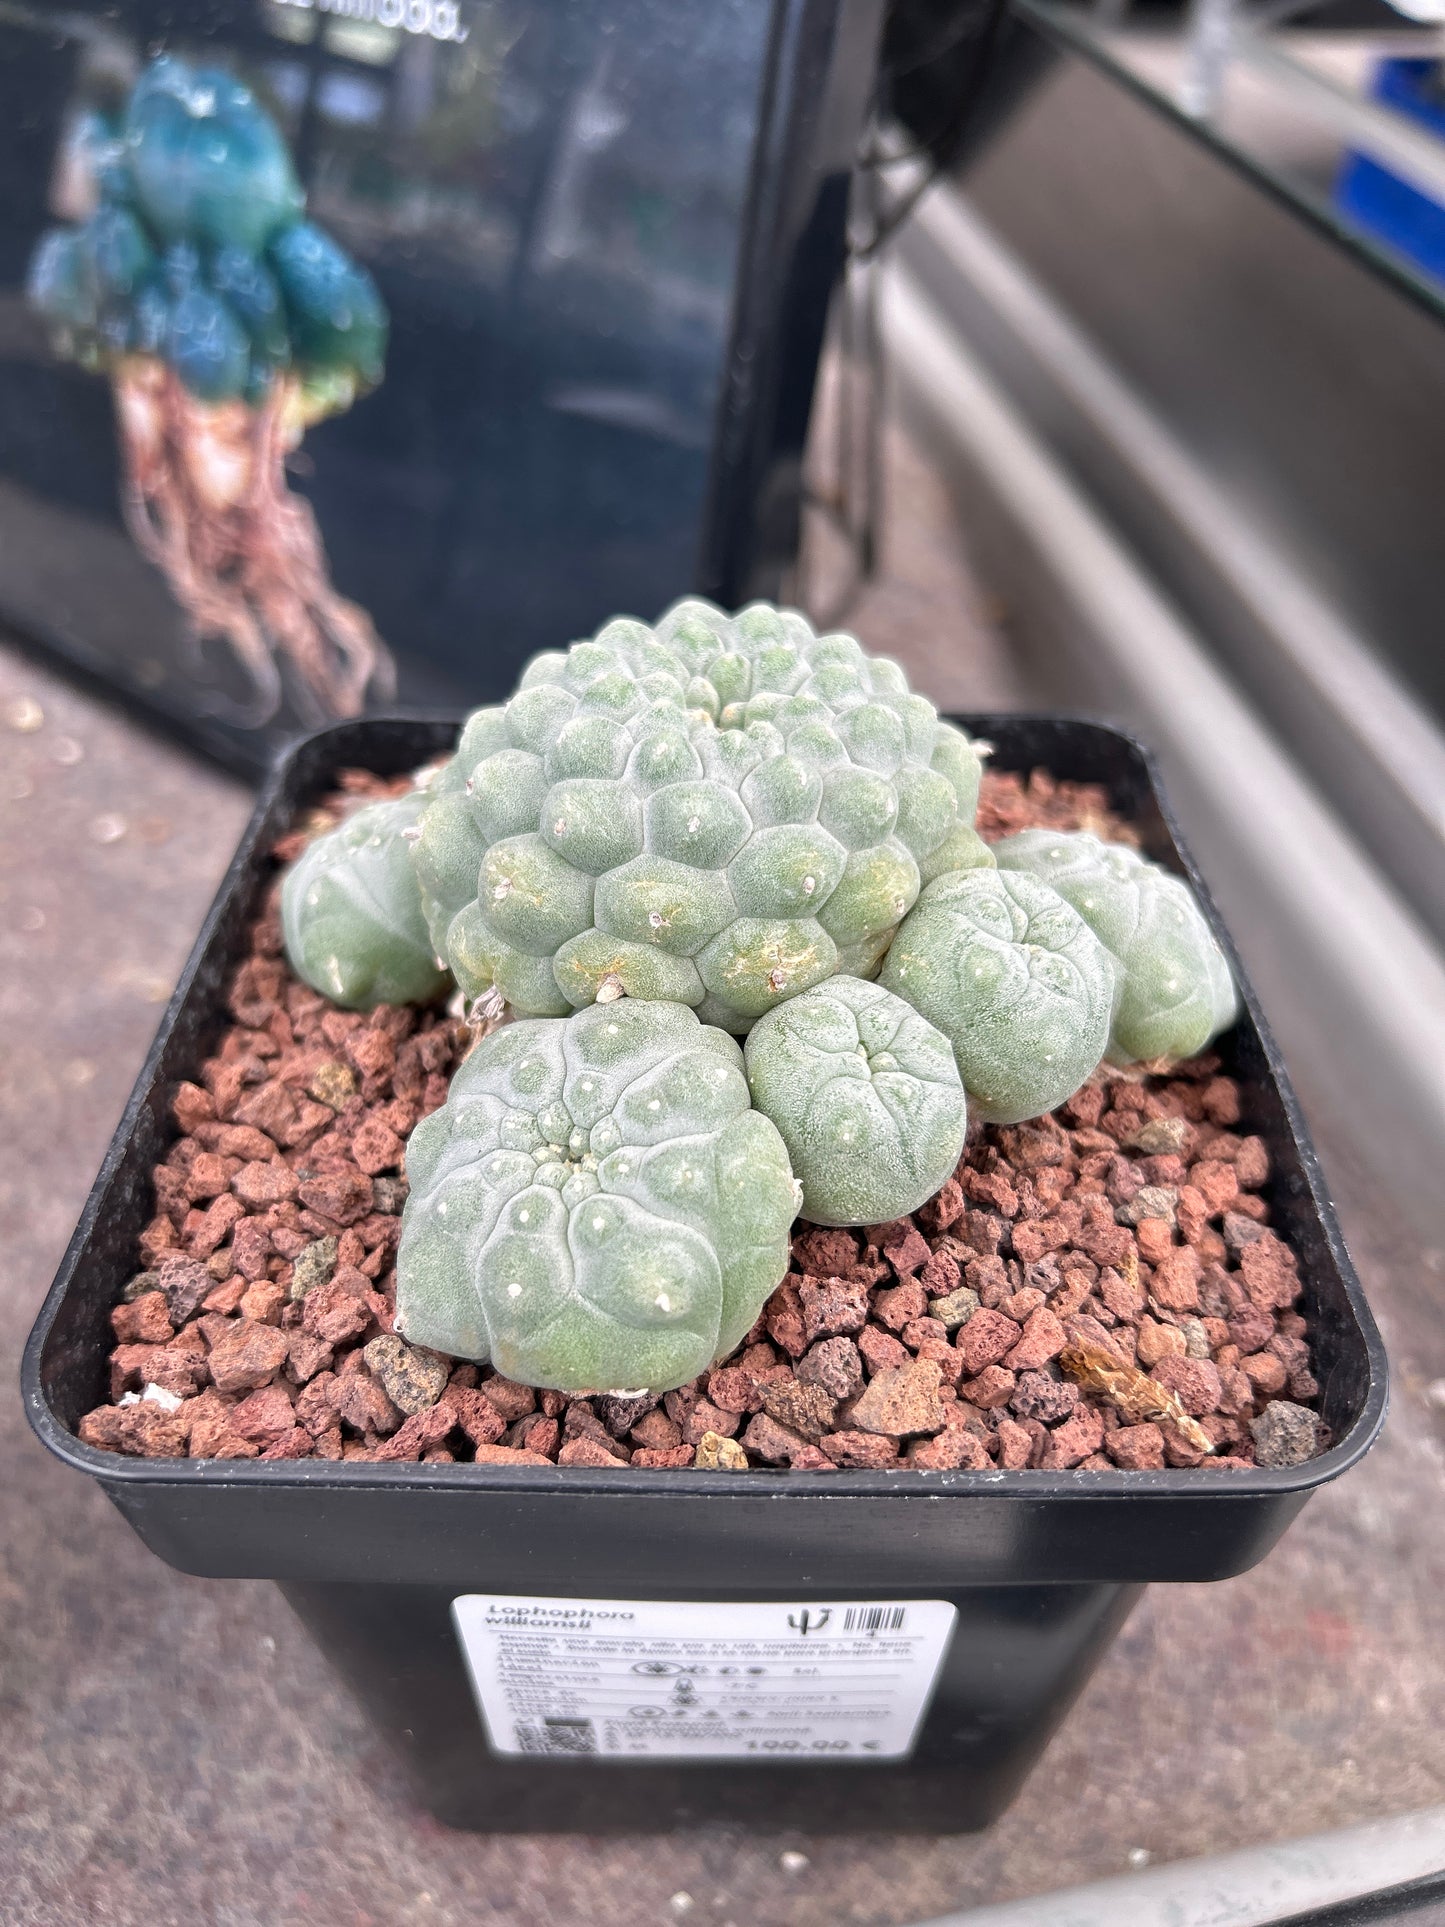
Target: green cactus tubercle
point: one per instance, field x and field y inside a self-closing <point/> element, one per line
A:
<point x="721" y="811"/>
<point x="1177" y="992"/>
<point x="597" y="1206"/>
<point x="1017" y="982"/>
<point x="867" y="1097"/>
<point x="351" y="914"/>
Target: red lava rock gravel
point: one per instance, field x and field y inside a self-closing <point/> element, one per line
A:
<point x="1130" y="1222"/>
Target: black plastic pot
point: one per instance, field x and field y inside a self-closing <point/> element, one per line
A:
<point x="1042" y="1567"/>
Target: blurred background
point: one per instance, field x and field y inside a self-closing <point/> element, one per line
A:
<point x="1078" y="355"/>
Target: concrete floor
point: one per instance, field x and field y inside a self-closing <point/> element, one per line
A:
<point x="173" y="1750"/>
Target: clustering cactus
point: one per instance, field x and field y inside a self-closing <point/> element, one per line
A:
<point x="668" y="834"/>
<point x="1177" y="992"/>
<point x="597" y="1207"/>
<point x="227" y="324"/>
<point x="351" y="912"/>
<point x="1017" y="982"/>
<point x="867" y="1097"/>
<point x="721" y="811"/>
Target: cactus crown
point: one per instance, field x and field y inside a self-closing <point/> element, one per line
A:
<point x="198" y="254"/>
<point x="1017" y="982"/>
<point x="596" y="1207"/>
<point x="867" y="1097"/>
<point x="1177" y="991"/>
<point x="719" y="812"/>
<point x="351" y="912"/>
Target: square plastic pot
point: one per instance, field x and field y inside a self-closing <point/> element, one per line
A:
<point x="1042" y="1567"/>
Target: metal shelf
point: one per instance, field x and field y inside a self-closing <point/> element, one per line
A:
<point x="1286" y="107"/>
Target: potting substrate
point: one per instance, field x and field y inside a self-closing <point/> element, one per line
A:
<point x="1081" y="1289"/>
<point x="1136" y="1295"/>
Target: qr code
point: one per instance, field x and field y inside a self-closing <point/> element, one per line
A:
<point x="556" y="1736"/>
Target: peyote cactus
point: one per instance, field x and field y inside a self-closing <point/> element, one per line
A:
<point x="1177" y="990"/>
<point x="351" y="915"/>
<point x="866" y="1095"/>
<point x="719" y="812"/>
<point x="720" y="824"/>
<point x="1017" y="982"/>
<point x="596" y="1206"/>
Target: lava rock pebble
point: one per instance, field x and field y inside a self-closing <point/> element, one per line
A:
<point x="412" y="1377"/>
<point x="1285" y="1434"/>
<point x="900" y="1401"/>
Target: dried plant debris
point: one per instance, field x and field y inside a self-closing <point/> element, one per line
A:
<point x="1099" y="1288"/>
<point x="1137" y="1396"/>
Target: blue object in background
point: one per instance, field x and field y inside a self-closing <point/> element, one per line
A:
<point x="1387" y="208"/>
<point x="605" y="232"/>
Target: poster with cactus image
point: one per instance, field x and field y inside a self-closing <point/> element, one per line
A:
<point x="355" y="352"/>
<point x="227" y="325"/>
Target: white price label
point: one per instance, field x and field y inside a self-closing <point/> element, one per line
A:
<point x="629" y="1678"/>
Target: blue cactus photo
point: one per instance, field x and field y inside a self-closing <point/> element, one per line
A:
<point x="227" y="324"/>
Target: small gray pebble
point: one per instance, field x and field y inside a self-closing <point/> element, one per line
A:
<point x="835" y="1365"/>
<point x="1240" y="1231"/>
<point x="186" y="1283"/>
<point x="1151" y="1201"/>
<point x="620" y="1414"/>
<point x="1285" y="1434"/>
<point x="1159" y="1136"/>
<point x="313" y="1266"/>
<point x="1196" y="1339"/>
<point x="1044" y="1276"/>
<point x="1044" y="1398"/>
<point x="388" y="1195"/>
<point x="138" y="1286"/>
<point x="956" y="1309"/>
<point x="412" y="1377"/>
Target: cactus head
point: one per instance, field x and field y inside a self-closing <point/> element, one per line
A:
<point x="596" y="1207"/>
<point x="351" y="914"/>
<point x="866" y="1095"/>
<point x="1016" y="981"/>
<point x="1177" y="991"/>
<point x="722" y="811"/>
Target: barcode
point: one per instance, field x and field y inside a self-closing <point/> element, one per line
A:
<point x="874" y="1619"/>
<point x="556" y="1736"/>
